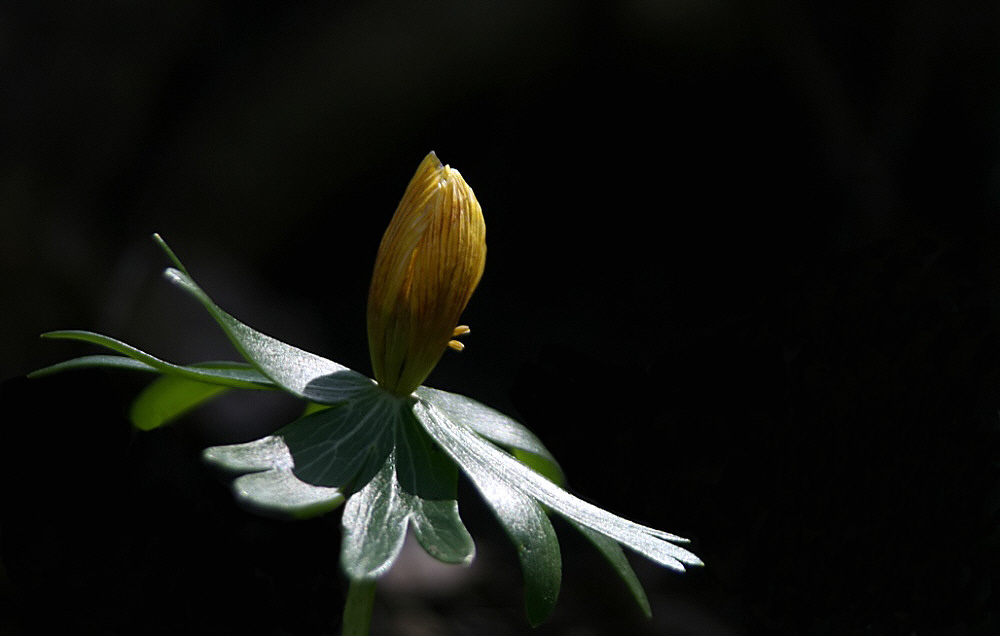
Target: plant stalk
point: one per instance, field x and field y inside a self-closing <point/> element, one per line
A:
<point x="358" y="608"/>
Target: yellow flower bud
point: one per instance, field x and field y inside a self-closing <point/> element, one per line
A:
<point x="429" y="262"/>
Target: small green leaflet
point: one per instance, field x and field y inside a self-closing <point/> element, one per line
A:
<point x="265" y="483"/>
<point x="414" y="488"/>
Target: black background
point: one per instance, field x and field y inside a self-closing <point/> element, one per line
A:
<point x="743" y="280"/>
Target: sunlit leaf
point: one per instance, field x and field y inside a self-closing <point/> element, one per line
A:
<point x="541" y="566"/>
<point x="372" y="449"/>
<point x="533" y="537"/>
<point x="415" y="487"/>
<point x="374" y="521"/>
<point x="235" y="375"/>
<point x="496" y="427"/>
<point x="299" y="372"/>
<point x="477" y="456"/>
<point x="395" y="460"/>
<point x="265" y="482"/>
<point x="281" y="494"/>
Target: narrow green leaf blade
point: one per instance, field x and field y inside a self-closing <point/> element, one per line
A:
<point x="475" y="455"/>
<point x="524" y="521"/>
<point x="236" y="375"/>
<point x="613" y="552"/>
<point x="374" y="523"/>
<point x="101" y="360"/>
<point x="496" y="427"/>
<point x="506" y="431"/>
<point x="299" y="372"/>
<point x="534" y="538"/>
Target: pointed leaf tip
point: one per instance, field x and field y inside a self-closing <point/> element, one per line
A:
<point x="477" y="456"/>
<point x="159" y="240"/>
<point x="295" y="370"/>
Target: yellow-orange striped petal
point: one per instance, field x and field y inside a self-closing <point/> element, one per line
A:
<point x="429" y="262"/>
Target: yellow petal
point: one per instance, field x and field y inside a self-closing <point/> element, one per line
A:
<point x="429" y="262"/>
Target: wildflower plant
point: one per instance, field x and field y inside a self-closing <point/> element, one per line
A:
<point x="389" y="450"/>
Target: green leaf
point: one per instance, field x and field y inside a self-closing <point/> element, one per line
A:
<point x="371" y="446"/>
<point x="428" y="481"/>
<point x="496" y="427"/>
<point x="422" y="468"/>
<point x="266" y="483"/>
<point x="540" y="465"/>
<point x="299" y="372"/>
<point x="233" y="375"/>
<point x="84" y="362"/>
<point x="171" y="396"/>
<point x="376" y="518"/>
<point x="524" y="521"/>
<point x="280" y="494"/>
<point x="345" y="445"/>
<point x="477" y="457"/>
<point x="374" y="521"/>
<point x="613" y="552"/>
<point x="167" y="398"/>
<point x="440" y="531"/>
<point x="534" y="539"/>
<point x="414" y="487"/>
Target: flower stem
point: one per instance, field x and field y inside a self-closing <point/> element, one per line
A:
<point x="358" y="608"/>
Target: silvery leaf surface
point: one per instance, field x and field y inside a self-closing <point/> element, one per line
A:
<point x="265" y="482"/>
<point x="476" y="456"/>
<point x="299" y="372"/>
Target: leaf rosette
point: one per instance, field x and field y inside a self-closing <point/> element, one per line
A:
<point x="391" y="458"/>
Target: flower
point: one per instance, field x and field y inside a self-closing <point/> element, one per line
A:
<point x="429" y="262"/>
<point x="390" y="451"/>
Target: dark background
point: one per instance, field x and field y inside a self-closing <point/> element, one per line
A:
<point x="743" y="280"/>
